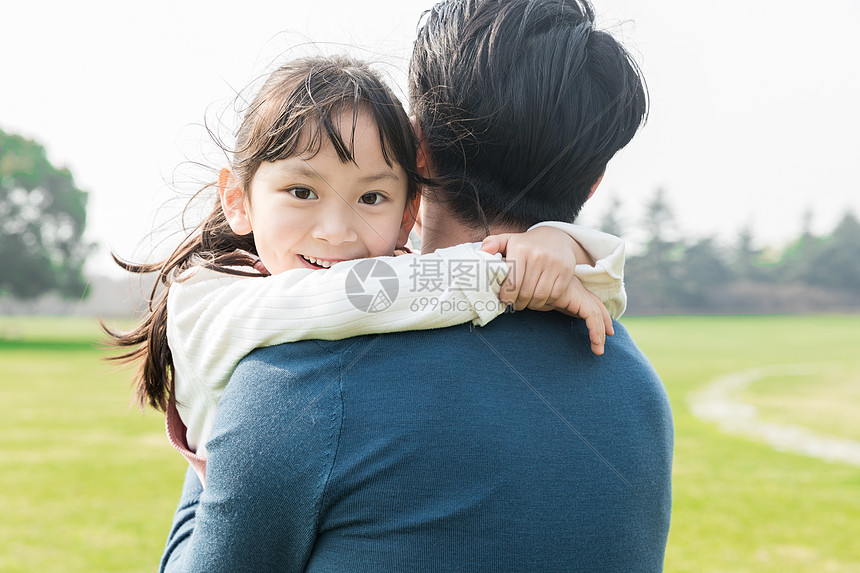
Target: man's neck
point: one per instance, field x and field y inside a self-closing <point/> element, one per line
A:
<point x="440" y="229"/>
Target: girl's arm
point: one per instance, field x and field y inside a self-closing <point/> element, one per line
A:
<point x="214" y="319"/>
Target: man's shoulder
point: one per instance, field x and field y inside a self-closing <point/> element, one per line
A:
<point x="550" y="351"/>
<point x="561" y="339"/>
<point x="551" y="336"/>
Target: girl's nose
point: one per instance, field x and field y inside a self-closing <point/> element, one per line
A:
<point x="337" y="226"/>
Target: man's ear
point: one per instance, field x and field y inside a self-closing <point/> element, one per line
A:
<point x="408" y="221"/>
<point x="422" y="159"/>
<point x="596" y="184"/>
<point x="235" y="209"/>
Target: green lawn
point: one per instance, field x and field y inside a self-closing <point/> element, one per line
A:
<point x="88" y="483"/>
<point x="738" y="505"/>
<point x="827" y="401"/>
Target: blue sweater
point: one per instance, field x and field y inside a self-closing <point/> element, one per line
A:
<point x="503" y="448"/>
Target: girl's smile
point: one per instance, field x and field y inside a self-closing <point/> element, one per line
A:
<point x="314" y="263"/>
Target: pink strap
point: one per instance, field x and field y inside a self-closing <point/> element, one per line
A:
<point x="261" y="268"/>
<point x="176" y="434"/>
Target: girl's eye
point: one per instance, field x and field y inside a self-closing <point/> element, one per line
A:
<point x="372" y="198"/>
<point x="302" y="193"/>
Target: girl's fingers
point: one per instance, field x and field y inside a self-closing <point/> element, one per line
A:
<point x="607" y="320"/>
<point x="510" y="288"/>
<point x="596" y="327"/>
<point x="496" y="243"/>
<point x="528" y="286"/>
<point x="542" y="295"/>
<point x="559" y="291"/>
<point x="584" y="304"/>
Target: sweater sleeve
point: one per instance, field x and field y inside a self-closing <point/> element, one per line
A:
<point x="214" y="319"/>
<point x="606" y="277"/>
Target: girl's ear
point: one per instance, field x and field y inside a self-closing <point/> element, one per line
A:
<point x="408" y="221"/>
<point x="234" y="207"/>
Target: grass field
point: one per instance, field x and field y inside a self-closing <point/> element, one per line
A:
<point x="738" y="505"/>
<point x="827" y="401"/>
<point x="88" y="483"/>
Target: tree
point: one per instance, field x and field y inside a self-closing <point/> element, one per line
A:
<point x="837" y="262"/>
<point x="749" y="263"/>
<point x="610" y="223"/>
<point x="745" y="254"/>
<point x="702" y="273"/>
<point x="42" y="220"/>
<point x="653" y="278"/>
<point x="801" y="255"/>
<point x="659" y="218"/>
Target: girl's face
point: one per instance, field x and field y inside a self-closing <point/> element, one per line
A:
<point x="313" y="212"/>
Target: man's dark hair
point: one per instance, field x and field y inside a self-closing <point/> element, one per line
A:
<point x="522" y="103"/>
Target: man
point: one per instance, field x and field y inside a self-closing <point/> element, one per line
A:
<point x="504" y="448"/>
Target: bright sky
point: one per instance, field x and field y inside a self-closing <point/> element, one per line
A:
<point x="754" y="115"/>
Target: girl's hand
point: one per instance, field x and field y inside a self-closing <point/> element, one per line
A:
<point x="542" y="262"/>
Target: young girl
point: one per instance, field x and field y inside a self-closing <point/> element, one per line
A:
<point x="324" y="177"/>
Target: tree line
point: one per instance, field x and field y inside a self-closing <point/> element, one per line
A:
<point x="701" y="276"/>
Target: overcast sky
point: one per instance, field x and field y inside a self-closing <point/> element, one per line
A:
<point x="754" y="116"/>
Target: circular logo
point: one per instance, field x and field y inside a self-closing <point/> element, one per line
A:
<point x="372" y="285"/>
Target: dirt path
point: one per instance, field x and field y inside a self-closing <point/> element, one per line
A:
<point x="717" y="402"/>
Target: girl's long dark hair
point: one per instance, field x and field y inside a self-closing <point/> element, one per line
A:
<point x="292" y="114"/>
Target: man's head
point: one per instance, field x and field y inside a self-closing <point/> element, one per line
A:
<point x="522" y="104"/>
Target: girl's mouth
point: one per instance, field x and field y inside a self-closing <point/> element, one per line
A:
<point x="315" y="263"/>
